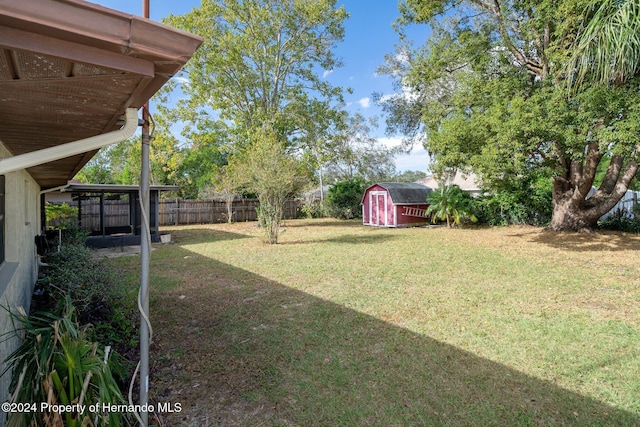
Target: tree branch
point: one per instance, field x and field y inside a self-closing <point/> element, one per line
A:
<point x="585" y="182"/>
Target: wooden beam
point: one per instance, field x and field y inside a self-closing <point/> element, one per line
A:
<point x="11" y="38"/>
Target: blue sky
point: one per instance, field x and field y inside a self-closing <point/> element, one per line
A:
<point x="368" y="37"/>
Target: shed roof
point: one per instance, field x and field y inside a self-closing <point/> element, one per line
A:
<point x="405" y="193"/>
<point x="69" y="69"/>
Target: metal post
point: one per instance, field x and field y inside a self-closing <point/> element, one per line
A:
<point x="145" y="252"/>
<point x="144" y="275"/>
<point x="102" y="226"/>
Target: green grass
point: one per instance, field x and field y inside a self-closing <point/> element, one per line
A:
<point x="341" y="324"/>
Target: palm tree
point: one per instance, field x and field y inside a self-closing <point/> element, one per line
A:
<point x="450" y="203"/>
<point x="607" y="50"/>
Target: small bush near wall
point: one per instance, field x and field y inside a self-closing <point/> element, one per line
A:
<point x="80" y="308"/>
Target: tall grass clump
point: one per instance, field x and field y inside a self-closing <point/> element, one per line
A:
<point x="58" y="364"/>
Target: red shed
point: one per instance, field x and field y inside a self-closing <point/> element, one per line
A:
<point x="395" y="204"/>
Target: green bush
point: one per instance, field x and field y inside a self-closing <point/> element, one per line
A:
<point x="74" y="236"/>
<point x="95" y="291"/>
<point x="619" y="221"/>
<point x="529" y="205"/>
<point x="58" y="363"/>
<point x="344" y="198"/>
<point x="312" y="210"/>
<point x="86" y="281"/>
<point x="61" y="216"/>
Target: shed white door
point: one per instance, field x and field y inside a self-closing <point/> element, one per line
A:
<point x="378" y="207"/>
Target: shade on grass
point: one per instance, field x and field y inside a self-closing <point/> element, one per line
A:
<point x="342" y="324"/>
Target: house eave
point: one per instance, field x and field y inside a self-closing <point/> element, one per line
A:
<point x="69" y="69"/>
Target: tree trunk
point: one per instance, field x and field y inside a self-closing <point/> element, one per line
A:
<point x="573" y="208"/>
<point x="568" y="215"/>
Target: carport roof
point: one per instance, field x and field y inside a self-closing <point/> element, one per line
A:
<point x="69" y="69"/>
<point x="114" y="188"/>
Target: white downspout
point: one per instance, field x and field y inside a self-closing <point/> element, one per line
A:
<point x="46" y="155"/>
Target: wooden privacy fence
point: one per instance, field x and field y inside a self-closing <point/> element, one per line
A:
<point x="178" y="212"/>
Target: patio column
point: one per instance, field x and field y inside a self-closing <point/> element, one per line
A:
<point x="102" y="230"/>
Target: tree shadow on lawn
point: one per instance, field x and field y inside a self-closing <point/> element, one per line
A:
<point x="234" y="348"/>
<point x="601" y="241"/>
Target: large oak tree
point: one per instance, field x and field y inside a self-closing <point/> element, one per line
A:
<point x="488" y="90"/>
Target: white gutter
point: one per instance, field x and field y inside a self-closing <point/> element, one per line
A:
<point x="51" y="190"/>
<point x="46" y="155"/>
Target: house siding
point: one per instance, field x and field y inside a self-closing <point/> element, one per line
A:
<point x="18" y="273"/>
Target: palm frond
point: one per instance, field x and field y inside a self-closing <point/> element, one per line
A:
<point x="607" y="50"/>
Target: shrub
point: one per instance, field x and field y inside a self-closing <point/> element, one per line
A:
<point x="312" y="209"/>
<point x="530" y="205"/>
<point x="344" y="198"/>
<point x="57" y="363"/>
<point x="61" y="216"/>
<point x="72" y="272"/>
<point x="451" y="204"/>
<point x="273" y="173"/>
<point x="619" y="221"/>
<point x="96" y="293"/>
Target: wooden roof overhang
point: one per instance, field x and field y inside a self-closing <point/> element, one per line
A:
<point x="69" y="69"/>
<point x="97" y="189"/>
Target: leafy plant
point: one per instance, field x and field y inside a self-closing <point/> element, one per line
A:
<point x="620" y="221"/>
<point x="452" y="204"/>
<point x="72" y="272"/>
<point x="344" y="198"/>
<point x="57" y="363"/>
<point x="312" y="209"/>
<point x="96" y="292"/>
<point x="61" y="216"/>
<point x="522" y="203"/>
<point x="273" y="174"/>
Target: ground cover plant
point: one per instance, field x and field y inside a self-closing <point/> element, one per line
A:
<point x="341" y="324"/>
<point x="79" y="344"/>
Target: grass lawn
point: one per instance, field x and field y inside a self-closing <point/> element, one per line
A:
<point x="346" y="325"/>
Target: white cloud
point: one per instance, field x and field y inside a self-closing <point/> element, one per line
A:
<point x="416" y="160"/>
<point x="390" y="142"/>
<point x="364" y="102"/>
<point x="326" y="73"/>
<point x="403" y="57"/>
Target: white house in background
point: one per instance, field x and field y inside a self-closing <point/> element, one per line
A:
<point x="467" y="182"/>
<point x="72" y="77"/>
